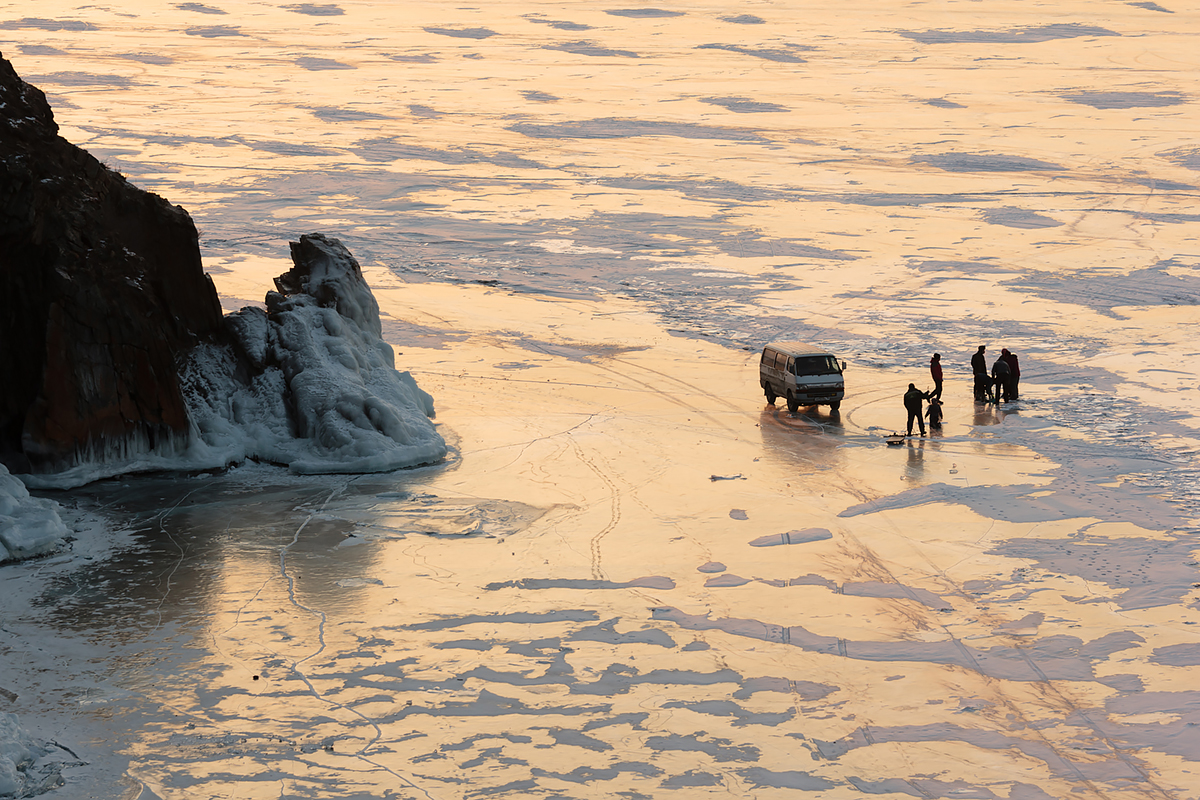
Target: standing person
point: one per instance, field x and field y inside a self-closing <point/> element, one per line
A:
<point x="912" y="403"/>
<point x="935" y="369"/>
<point x="979" y="367"/>
<point x="934" y="412"/>
<point x="1014" y="373"/>
<point x="1000" y="375"/>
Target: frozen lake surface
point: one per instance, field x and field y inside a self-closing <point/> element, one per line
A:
<point x="632" y="577"/>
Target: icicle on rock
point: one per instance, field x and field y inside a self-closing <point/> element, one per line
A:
<point x="310" y="383"/>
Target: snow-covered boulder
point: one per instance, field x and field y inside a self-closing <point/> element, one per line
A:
<point x="18" y="751"/>
<point x="29" y="526"/>
<point x="23" y="770"/>
<point x="310" y="383"/>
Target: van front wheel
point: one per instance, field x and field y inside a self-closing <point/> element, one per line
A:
<point x="793" y="403"/>
<point x="770" y="393"/>
<point x="835" y="405"/>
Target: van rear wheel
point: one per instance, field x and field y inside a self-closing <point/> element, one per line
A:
<point x="770" y="393"/>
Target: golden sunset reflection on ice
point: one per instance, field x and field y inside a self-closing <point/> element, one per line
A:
<point x="633" y="578"/>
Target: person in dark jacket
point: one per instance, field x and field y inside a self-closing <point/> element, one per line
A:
<point x="934" y="412"/>
<point x="1014" y="373"/>
<point x="912" y="403"/>
<point x="1000" y="378"/>
<point x="935" y="369"/>
<point x="982" y="382"/>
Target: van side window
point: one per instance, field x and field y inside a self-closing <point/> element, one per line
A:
<point x="768" y="357"/>
<point x="781" y="362"/>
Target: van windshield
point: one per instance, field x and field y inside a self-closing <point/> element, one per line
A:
<point x="816" y="365"/>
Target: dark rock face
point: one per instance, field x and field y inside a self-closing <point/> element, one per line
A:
<point x="101" y="295"/>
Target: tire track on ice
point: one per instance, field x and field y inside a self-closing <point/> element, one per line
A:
<point x="1053" y="697"/>
<point x="614" y="510"/>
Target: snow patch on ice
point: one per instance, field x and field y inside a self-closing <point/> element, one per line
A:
<point x="564" y="246"/>
<point x="29" y="526"/>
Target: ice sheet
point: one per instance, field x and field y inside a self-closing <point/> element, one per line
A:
<point x="545" y="602"/>
<point x="574" y="221"/>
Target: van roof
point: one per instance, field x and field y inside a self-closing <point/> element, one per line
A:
<point x="798" y="349"/>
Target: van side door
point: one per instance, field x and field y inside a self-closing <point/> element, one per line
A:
<point x="768" y="372"/>
<point x="787" y="368"/>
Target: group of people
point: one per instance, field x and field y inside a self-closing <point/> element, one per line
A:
<point x="1001" y="385"/>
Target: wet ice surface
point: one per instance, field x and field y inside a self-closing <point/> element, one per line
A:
<point x="632" y="578"/>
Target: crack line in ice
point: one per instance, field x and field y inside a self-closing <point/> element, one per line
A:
<point x="237" y="617"/>
<point x="162" y="527"/>
<point x="291" y="583"/>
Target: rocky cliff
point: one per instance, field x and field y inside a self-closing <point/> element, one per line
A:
<point x="101" y="293"/>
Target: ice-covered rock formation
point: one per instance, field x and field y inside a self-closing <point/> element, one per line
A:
<point x="309" y="382"/>
<point x="29" y="526"/>
<point x="115" y="355"/>
<point x="101" y="291"/>
<point x="21" y="773"/>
